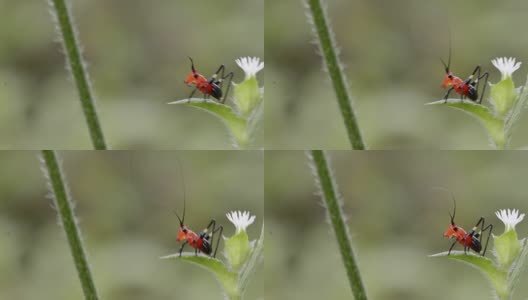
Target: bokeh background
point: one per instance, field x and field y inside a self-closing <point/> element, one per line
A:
<point x="137" y="59"/>
<point x="391" y="50"/>
<point x="125" y="203"/>
<point x="396" y="220"/>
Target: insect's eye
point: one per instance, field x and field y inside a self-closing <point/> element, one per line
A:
<point x="184" y="230"/>
<point x="195" y="75"/>
<point x="455" y="228"/>
<point x="450" y="76"/>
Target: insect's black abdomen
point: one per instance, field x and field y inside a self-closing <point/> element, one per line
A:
<point x="476" y="245"/>
<point x="216" y="91"/>
<point x="472" y="93"/>
<point x="206" y="247"/>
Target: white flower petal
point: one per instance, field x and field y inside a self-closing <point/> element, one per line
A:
<point x="240" y="219"/>
<point x="506" y="66"/>
<point x="510" y="217"/>
<point x="250" y="65"/>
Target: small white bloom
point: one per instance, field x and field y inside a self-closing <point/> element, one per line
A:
<point x="250" y="65"/>
<point x="506" y="66"/>
<point x="241" y="220"/>
<point x="510" y="217"/>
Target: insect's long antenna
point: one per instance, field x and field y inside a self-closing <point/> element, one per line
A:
<point x="454" y="210"/>
<point x="449" y="57"/>
<point x="448" y="65"/>
<point x="184" y="193"/>
<point x="445" y="66"/>
<point x="181" y="222"/>
<point x="454" y="202"/>
<point x="183" y="186"/>
<point x="192" y="65"/>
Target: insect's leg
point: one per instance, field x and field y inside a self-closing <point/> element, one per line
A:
<point x="213" y="232"/>
<point x="447" y="94"/>
<point x="192" y="94"/>
<point x="230" y="76"/>
<point x="462" y="98"/>
<point x="488" y="228"/>
<point x="220" y="72"/>
<point x="484" y="228"/>
<point x="451" y="248"/>
<point x="183" y="245"/>
<point x="485" y="75"/>
<point x="195" y="251"/>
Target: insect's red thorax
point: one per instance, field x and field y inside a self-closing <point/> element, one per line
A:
<point x="459" y="86"/>
<point x="190" y="236"/>
<point x="195" y="78"/>
<point x="454" y="231"/>
<point x="201" y="83"/>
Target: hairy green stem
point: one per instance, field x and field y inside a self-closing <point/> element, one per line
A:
<point x="330" y="195"/>
<point x="79" y="73"/>
<point x="65" y="210"/>
<point x="337" y="77"/>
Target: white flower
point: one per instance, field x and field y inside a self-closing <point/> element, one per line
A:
<point x="510" y="217"/>
<point x="241" y="220"/>
<point x="506" y="66"/>
<point x="250" y="65"/>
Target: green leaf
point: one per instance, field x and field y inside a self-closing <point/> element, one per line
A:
<point x="254" y="260"/>
<point x="255" y="119"/>
<point x="237" y="250"/>
<point x="519" y="265"/>
<point x="227" y="278"/>
<point x="236" y="124"/>
<point x="519" y="105"/>
<point x="503" y="96"/>
<point x="507" y="248"/>
<point x="493" y="124"/>
<point x="497" y="278"/>
<point x="247" y="96"/>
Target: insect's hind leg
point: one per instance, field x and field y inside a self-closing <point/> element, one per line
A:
<point x="230" y="76"/>
<point x="477" y="80"/>
<point x="220" y="74"/>
<point x="484" y="228"/>
<point x="485" y="84"/>
<point x="213" y="232"/>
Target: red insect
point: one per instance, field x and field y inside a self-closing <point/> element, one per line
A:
<point x="202" y="241"/>
<point x="471" y="239"/>
<point x="209" y="87"/>
<point x="465" y="88"/>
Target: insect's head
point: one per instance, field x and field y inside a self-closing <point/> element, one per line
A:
<point x="182" y="233"/>
<point x="193" y="76"/>
<point x="448" y="80"/>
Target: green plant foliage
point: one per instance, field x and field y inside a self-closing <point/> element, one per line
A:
<point x="493" y="124"/>
<point x="227" y="278"/>
<point x="236" y="125"/>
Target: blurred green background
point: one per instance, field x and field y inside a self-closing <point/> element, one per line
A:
<point x="391" y="50"/>
<point x="396" y="220"/>
<point x="125" y="203"/>
<point x="137" y="59"/>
